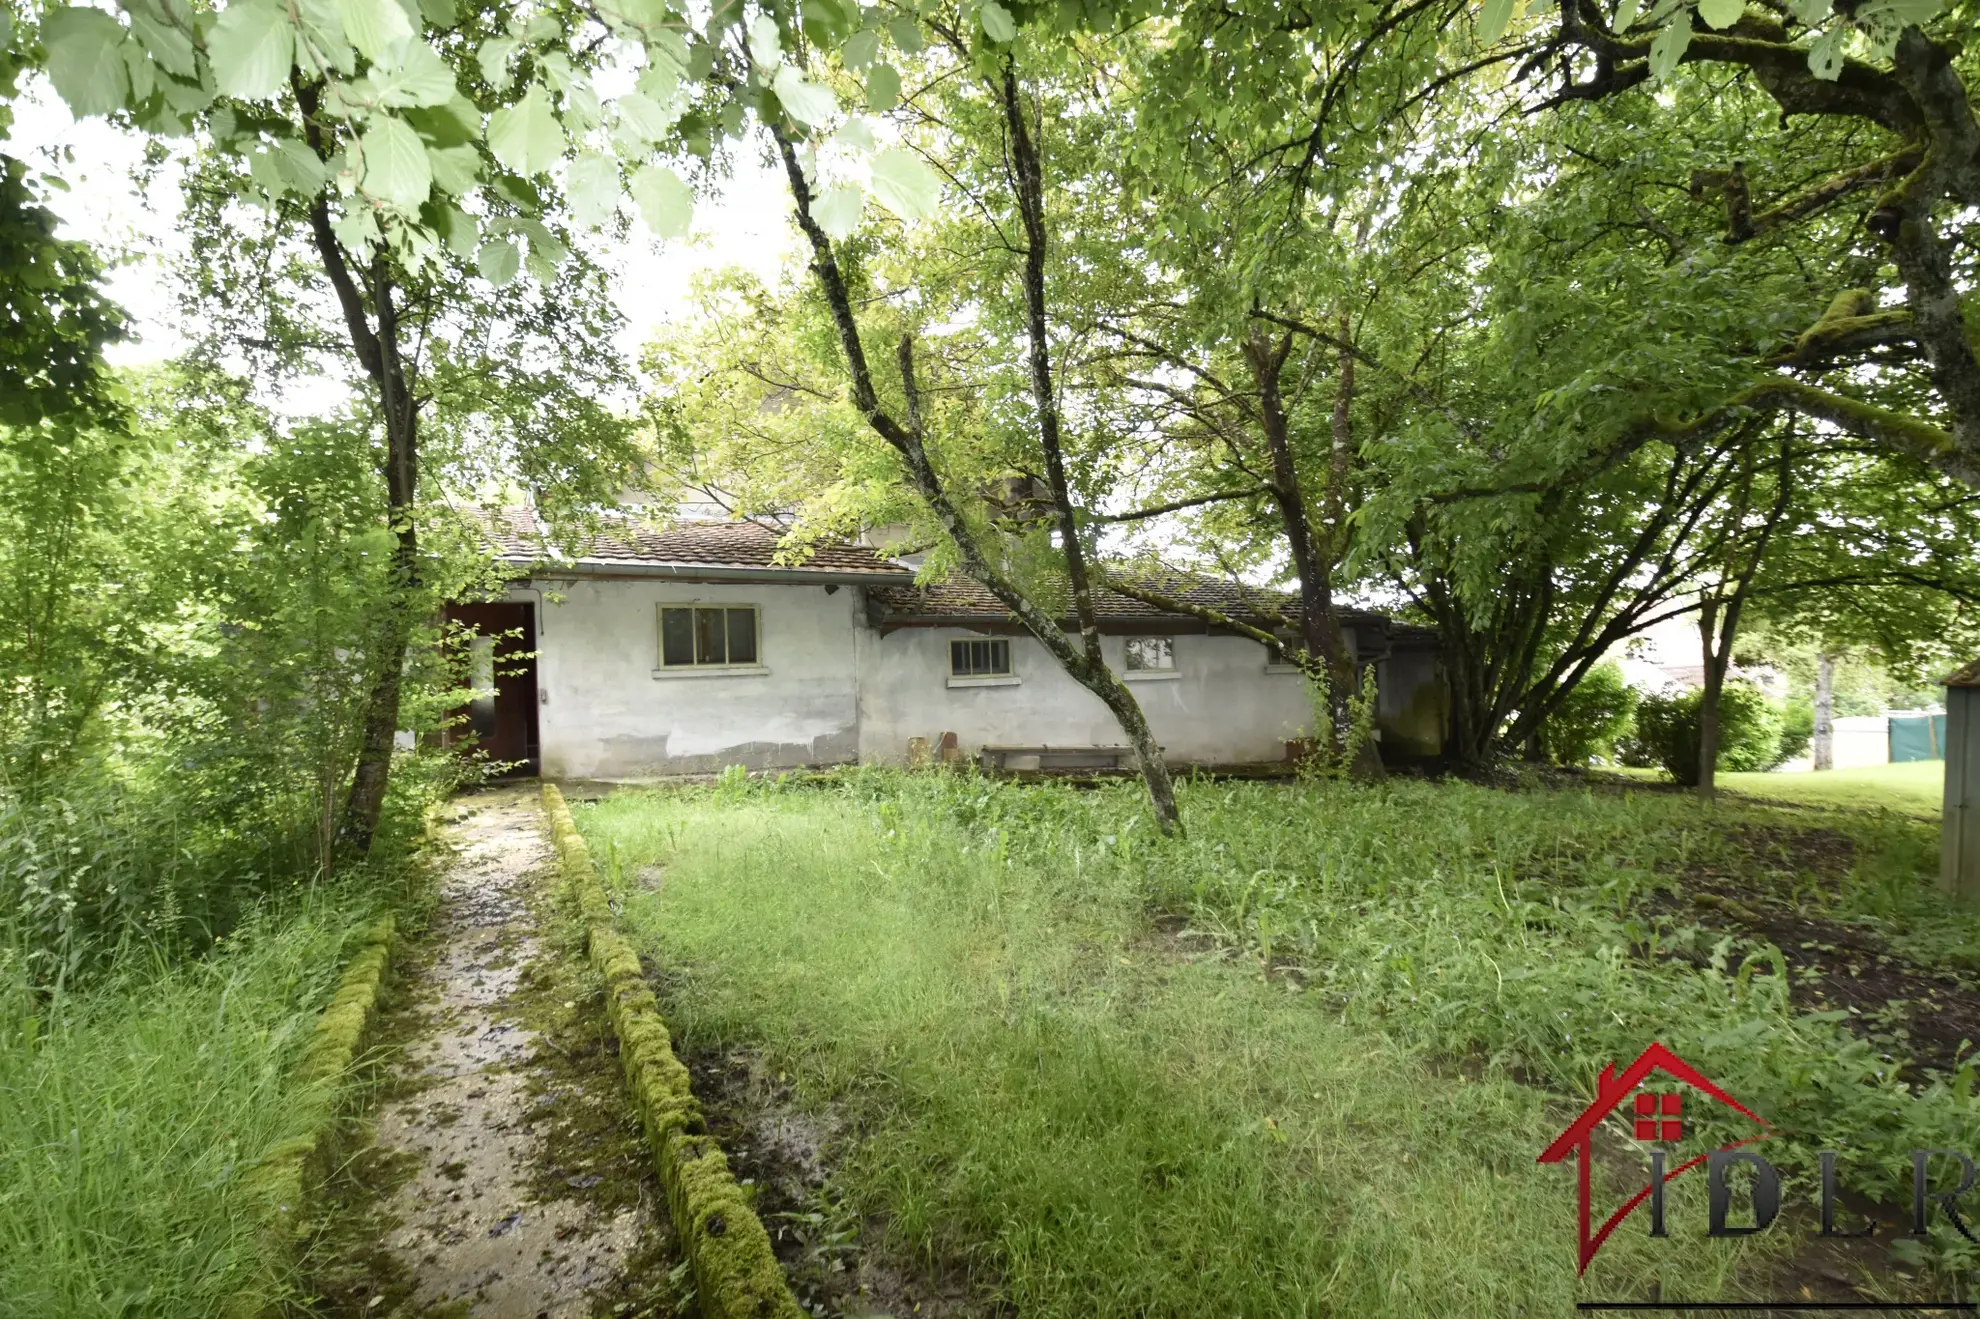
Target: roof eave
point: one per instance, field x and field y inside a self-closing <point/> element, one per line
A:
<point x="605" y="569"/>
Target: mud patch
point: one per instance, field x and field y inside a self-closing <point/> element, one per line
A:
<point x="1773" y="886"/>
<point x="500" y="1174"/>
<point x="830" y="1254"/>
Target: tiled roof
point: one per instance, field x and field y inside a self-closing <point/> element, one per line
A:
<point x="963" y="597"/>
<point x="519" y="537"/>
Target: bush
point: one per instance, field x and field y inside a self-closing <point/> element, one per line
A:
<point x="1797" y="728"/>
<point x="1591" y="718"/>
<point x="1750" y="735"/>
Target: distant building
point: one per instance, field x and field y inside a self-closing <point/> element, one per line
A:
<point x="688" y="649"/>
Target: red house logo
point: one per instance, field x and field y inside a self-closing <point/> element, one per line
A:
<point x="1656" y="1117"/>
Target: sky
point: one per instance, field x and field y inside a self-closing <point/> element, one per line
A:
<point x="747" y="225"/>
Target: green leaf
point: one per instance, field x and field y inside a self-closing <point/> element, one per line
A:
<point x="644" y="117"/>
<point x="498" y="262"/>
<point x="1810" y="12"/>
<point x="357" y="229"/>
<point x="395" y="166"/>
<point x="883" y="88"/>
<point x="906" y="34"/>
<point x="591" y="185"/>
<point x="168" y="45"/>
<point x="809" y="103"/>
<point x="665" y="203"/>
<point x="837" y="211"/>
<point x="493" y="57"/>
<point x="526" y="136"/>
<point x="457" y="230"/>
<point x="84" y="61"/>
<point x="765" y="45"/>
<point x="661" y="80"/>
<point x="415" y="75"/>
<point x="1626" y="14"/>
<point x="857" y="133"/>
<point x="252" y="47"/>
<point x="1721" y="14"/>
<point x="860" y="50"/>
<point x="373" y="25"/>
<point x="1825" y="57"/>
<point x="440" y="13"/>
<point x="304" y="173"/>
<point x="1904" y="13"/>
<point x="544" y="27"/>
<point x="454" y="168"/>
<point x="263" y="169"/>
<point x="1669" y="47"/>
<point x="1000" y="27"/>
<point x="1493" y="20"/>
<point x="453" y="124"/>
<point x="904" y="184"/>
<point x="321" y="28"/>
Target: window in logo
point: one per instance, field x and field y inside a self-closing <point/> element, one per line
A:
<point x="1672" y="1125"/>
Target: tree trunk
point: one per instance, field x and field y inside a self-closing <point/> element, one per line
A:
<point x="1824" y="743"/>
<point x="372" y="774"/>
<point x="1320" y="626"/>
<point x="1029" y="175"/>
<point x="1716" y="657"/>
<point x="907" y="440"/>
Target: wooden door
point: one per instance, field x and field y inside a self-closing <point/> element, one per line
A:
<point x="501" y="656"/>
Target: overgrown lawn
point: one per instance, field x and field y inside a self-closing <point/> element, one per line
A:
<point x="1298" y="1063"/>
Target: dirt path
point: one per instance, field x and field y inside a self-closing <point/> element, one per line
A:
<point x="500" y="1173"/>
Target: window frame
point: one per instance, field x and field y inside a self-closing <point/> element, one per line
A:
<point x="1133" y="673"/>
<point x="693" y="607"/>
<point x="972" y="674"/>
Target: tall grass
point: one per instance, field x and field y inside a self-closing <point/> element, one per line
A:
<point x="138" y="1100"/>
<point x="1095" y="1118"/>
<point x="133" y="1116"/>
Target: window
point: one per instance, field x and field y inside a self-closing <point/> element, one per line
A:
<point x="1647" y="1125"/>
<point x="1151" y="654"/>
<point x="979" y="659"/>
<point x="707" y="636"/>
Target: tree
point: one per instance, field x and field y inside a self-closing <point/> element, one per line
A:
<point x="348" y="126"/>
<point x="1893" y="120"/>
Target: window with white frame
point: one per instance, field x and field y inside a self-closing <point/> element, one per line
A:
<point x="708" y="637"/>
<point x="1151" y="654"/>
<point x="979" y="659"/>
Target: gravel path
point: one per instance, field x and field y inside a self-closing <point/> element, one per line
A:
<point x="503" y="1176"/>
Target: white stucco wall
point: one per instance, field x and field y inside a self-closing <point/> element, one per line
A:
<point x="1221" y="706"/>
<point x="602" y="713"/>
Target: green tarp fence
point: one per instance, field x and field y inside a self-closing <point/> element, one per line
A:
<point x="1918" y="737"/>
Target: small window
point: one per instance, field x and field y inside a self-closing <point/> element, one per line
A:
<point x="1151" y="654"/>
<point x="703" y="636"/>
<point x="979" y="659"/>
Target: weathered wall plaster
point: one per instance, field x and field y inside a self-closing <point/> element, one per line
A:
<point x="1220" y="707"/>
<point x="604" y="714"/>
<point x="832" y="690"/>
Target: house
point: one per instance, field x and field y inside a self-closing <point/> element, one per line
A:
<point x="645" y="652"/>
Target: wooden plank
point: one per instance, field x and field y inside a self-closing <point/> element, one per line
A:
<point x="1959" y="845"/>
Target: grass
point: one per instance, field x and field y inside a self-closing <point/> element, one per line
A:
<point x="1916" y="787"/>
<point x="1330" y="1102"/>
<point x="132" y="1117"/>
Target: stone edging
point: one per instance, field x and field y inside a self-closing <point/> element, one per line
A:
<point x="735" y="1274"/>
<point x="332" y="1048"/>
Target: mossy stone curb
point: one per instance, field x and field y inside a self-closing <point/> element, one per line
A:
<point x="278" y="1179"/>
<point x="735" y="1274"/>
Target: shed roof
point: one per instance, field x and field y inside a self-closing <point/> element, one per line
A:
<point x="747" y="551"/>
<point x="963" y="600"/>
<point x="634" y="548"/>
<point x="1969" y="676"/>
